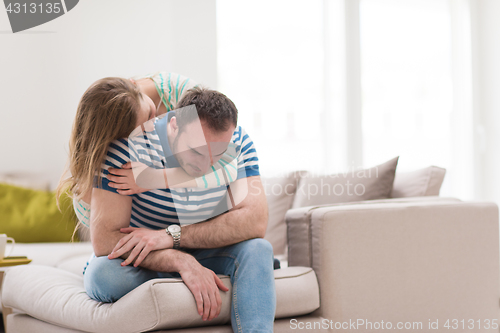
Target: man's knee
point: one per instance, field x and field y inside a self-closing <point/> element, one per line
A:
<point x="258" y="249"/>
<point x="261" y="246"/>
<point x="102" y="279"/>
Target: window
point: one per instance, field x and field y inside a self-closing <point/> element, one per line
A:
<point x="406" y="81"/>
<point x="312" y="97"/>
<point x="270" y="63"/>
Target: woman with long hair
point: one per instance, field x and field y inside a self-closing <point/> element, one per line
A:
<point x="110" y="109"/>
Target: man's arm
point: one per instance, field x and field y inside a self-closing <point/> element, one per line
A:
<point x="246" y="219"/>
<point x="110" y="212"/>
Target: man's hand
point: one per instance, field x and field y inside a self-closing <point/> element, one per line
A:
<point x="124" y="180"/>
<point x="204" y="285"/>
<point x="141" y="242"/>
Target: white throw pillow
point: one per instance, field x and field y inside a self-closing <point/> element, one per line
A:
<point x="418" y="183"/>
<point x="352" y="185"/>
<point x="280" y="192"/>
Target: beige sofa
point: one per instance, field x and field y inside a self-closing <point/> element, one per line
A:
<point x="414" y="259"/>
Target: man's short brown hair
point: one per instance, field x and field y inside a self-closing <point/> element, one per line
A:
<point x="212" y="106"/>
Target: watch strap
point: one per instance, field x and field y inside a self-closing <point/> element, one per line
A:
<point x="177" y="240"/>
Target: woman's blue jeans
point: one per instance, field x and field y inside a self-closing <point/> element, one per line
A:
<point x="249" y="265"/>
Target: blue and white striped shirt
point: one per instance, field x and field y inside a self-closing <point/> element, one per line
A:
<point x="156" y="209"/>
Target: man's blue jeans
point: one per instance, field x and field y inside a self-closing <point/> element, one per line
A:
<point x="249" y="264"/>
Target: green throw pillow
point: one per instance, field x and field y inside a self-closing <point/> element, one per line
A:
<point x="31" y="216"/>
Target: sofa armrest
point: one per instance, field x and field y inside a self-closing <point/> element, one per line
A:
<point x="298" y="223"/>
<point x="401" y="260"/>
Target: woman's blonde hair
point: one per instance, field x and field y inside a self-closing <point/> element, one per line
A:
<point x="107" y="111"/>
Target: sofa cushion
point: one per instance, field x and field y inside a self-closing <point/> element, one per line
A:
<point x="68" y="256"/>
<point x="32" y="215"/>
<point x="280" y="192"/>
<point x="75" y="263"/>
<point x="297" y="291"/>
<point x="22" y="323"/>
<point x="55" y="254"/>
<point x="422" y="182"/>
<point x="353" y="185"/>
<point x="56" y="296"/>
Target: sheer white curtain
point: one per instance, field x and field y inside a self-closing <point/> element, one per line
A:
<point x="270" y="63"/>
<point x="417" y="85"/>
<point x="327" y="85"/>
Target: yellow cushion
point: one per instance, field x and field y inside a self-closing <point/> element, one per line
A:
<point x="31" y="216"/>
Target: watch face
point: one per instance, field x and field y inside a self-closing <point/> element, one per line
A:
<point x="174" y="228"/>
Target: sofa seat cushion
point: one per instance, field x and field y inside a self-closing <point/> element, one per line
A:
<point x="54" y="254"/>
<point x="58" y="297"/>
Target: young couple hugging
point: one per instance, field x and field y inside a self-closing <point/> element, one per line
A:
<point x="169" y="185"/>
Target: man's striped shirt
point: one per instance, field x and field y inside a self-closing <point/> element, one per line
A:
<point x="158" y="208"/>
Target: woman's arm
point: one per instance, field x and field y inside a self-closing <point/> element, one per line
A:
<point x="138" y="178"/>
<point x="164" y="88"/>
<point x="148" y="87"/>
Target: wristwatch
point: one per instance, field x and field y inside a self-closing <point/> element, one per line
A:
<point x="175" y="231"/>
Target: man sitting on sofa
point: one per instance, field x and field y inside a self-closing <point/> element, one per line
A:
<point x="129" y="230"/>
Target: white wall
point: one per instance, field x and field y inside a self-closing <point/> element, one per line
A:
<point x="45" y="70"/>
